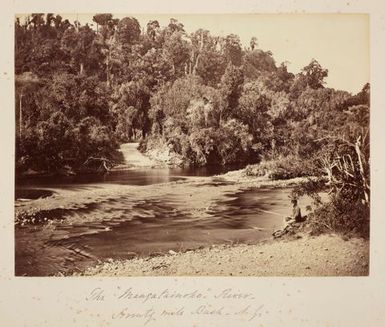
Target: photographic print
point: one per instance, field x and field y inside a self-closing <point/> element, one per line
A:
<point x="192" y="145"/>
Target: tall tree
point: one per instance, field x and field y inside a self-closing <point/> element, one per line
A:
<point x="314" y="74"/>
<point x="232" y="49"/>
<point x="128" y="31"/>
<point x="230" y="90"/>
<point x="78" y="44"/>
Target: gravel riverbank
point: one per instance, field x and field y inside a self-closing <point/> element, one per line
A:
<point x="324" y="255"/>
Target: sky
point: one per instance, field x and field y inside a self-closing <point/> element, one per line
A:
<point x="339" y="42"/>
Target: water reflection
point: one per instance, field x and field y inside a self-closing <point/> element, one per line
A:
<point x="127" y="177"/>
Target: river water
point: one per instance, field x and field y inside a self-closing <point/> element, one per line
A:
<point x="125" y="226"/>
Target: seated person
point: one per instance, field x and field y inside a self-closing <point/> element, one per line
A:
<point x="296" y="216"/>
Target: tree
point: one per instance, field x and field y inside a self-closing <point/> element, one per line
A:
<point x="78" y="44"/>
<point x="37" y="45"/>
<point x="230" y="90"/>
<point x="54" y="141"/>
<point x="175" y="26"/>
<point x="128" y="31"/>
<point x="105" y="41"/>
<point x="258" y="62"/>
<point x="101" y="19"/>
<point x="25" y="84"/>
<point x="344" y="159"/>
<point x="152" y="29"/>
<point x="253" y="43"/>
<point x="254" y="111"/>
<point x="131" y="107"/>
<point x="232" y="49"/>
<point x="176" y="49"/>
<point x="206" y="60"/>
<point x="37" y="20"/>
<point x="314" y="74"/>
<point x="362" y="97"/>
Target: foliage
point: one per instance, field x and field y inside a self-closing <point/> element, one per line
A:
<point x="282" y="168"/>
<point x="342" y="213"/>
<point x="258" y="62"/>
<point x="67" y="122"/>
<point x="128" y="31"/>
<point x="344" y="160"/>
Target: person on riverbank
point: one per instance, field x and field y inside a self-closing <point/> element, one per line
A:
<point x="296" y="216"/>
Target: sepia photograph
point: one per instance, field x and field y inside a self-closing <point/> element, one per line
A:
<point x="191" y="145"/>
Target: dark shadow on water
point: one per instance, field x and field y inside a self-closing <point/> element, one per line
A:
<point x="145" y="176"/>
<point x="32" y="193"/>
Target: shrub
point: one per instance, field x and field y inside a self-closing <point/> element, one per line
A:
<point x="344" y="211"/>
<point x="282" y="168"/>
<point x="341" y="217"/>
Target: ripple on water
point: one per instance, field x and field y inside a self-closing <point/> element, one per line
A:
<point x="118" y="227"/>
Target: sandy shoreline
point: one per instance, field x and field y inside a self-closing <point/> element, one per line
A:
<point x="324" y="255"/>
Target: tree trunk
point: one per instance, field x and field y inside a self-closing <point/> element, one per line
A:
<point x="191" y="63"/>
<point x="81" y="68"/>
<point x="362" y="170"/>
<point x="20" y="116"/>
<point x="173" y="68"/>
<point x="108" y="68"/>
<point x="196" y="64"/>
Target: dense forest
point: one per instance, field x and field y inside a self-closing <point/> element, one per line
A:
<point x="205" y="99"/>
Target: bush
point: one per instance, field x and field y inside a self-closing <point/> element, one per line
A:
<point x="341" y="217"/>
<point x="342" y="212"/>
<point x="282" y="168"/>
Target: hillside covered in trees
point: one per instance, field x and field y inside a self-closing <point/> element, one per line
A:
<point x="206" y="99"/>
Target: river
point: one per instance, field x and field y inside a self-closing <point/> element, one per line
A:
<point x="137" y="211"/>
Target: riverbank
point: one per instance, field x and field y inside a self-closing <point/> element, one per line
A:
<point x="323" y="255"/>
